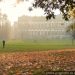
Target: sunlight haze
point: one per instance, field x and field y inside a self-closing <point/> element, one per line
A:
<point x="17" y="8"/>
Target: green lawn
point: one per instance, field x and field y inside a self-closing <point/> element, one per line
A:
<point x="33" y="45"/>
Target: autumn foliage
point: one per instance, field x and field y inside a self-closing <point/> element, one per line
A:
<point x="36" y="63"/>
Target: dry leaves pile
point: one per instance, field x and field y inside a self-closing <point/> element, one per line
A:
<point x="26" y="63"/>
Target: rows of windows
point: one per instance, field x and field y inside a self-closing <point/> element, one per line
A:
<point x="42" y="29"/>
<point x="42" y="26"/>
<point x="41" y="33"/>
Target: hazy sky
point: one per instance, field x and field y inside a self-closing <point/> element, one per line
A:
<point x="16" y="8"/>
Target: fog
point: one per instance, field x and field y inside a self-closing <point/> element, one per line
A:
<point x="5" y="27"/>
<point x="33" y="28"/>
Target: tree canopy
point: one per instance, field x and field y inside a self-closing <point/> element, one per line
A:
<point x="65" y="6"/>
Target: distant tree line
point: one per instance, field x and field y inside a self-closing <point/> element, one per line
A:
<point x="5" y="27"/>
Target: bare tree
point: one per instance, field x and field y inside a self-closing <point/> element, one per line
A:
<point x="4" y="27"/>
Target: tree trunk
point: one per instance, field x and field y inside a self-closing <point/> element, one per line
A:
<point x="72" y="41"/>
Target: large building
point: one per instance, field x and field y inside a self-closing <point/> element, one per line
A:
<point x="39" y="28"/>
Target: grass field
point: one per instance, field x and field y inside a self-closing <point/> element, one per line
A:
<point x="33" y="45"/>
<point x="20" y="61"/>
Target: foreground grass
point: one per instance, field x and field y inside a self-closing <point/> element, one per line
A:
<point x="33" y="45"/>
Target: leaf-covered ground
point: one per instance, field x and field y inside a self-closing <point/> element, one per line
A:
<point x="36" y="63"/>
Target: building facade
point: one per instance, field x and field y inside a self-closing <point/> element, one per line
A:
<point x="39" y="28"/>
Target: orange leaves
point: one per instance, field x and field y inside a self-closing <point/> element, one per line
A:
<point x="18" y="1"/>
<point x="27" y="63"/>
<point x="72" y="13"/>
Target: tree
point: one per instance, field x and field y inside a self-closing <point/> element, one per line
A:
<point x="72" y="13"/>
<point x="49" y="5"/>
<point x="71" y="29"/>
<point x="4" y="27"/>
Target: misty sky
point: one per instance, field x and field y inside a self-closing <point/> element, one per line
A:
<point x="16" y="8"/>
